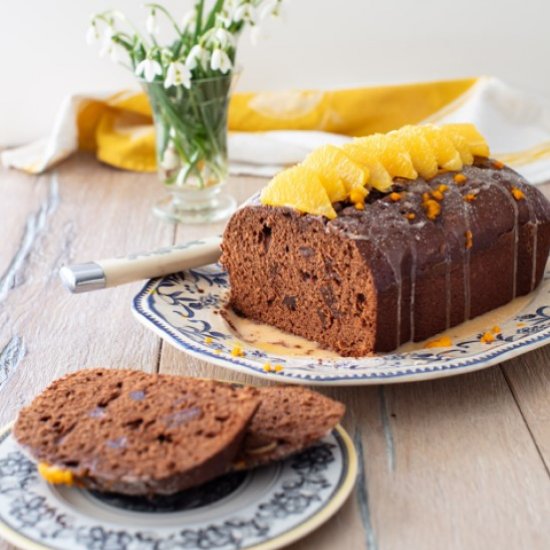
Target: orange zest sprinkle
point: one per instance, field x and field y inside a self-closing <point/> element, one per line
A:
<point x="433" y="209"/>
<point x="470" y="197"/>
<point x="357" y="196"/>
<point x="395" y="196"/>
<point x="425" y="197"/>
<point x="442" y="342"/>
<point x="487" y="338"/>
<point x="469" y="239"/>
<point x="237" y="351"/>
<point x="460" y="178"/>
<point x="410" y="215"/>
<point x="437" y="195"/>
<point x="442" y="188"/>
<point x="498" y="165"/>
<point x="208" y="340"/>
<point x="517" y="193"/>
<point x="496" y="329"/>
<point x="359" y="205"/>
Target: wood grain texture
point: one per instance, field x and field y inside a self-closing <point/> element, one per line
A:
<point x="453" y="463"/>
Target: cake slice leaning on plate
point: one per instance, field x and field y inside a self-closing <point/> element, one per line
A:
<point x="453" y="235"/>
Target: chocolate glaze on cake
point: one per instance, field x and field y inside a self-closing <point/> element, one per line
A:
<point x="136" y="433"/>
<point x="371" y="280"/>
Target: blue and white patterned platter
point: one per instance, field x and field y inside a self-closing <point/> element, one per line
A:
<point x="184" y="308"/>
<point x="263" y="509"/>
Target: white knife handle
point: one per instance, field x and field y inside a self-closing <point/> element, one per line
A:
<point x="135" y="267"/>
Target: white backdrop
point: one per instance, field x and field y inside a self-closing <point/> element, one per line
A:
<point x="320" y="43"/>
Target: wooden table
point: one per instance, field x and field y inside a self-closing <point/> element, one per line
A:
<point x="460" y="462"/>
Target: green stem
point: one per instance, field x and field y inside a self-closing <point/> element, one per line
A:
<point x="168" y="16"/>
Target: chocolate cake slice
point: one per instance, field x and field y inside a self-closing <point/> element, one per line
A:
<point x="289" y="420"/>
<point x="409" y="264"/>
<point x="134" y="433"/>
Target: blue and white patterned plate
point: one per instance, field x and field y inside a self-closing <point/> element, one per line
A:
<point x="184" y="308"/>
<point x="264" y="509"/>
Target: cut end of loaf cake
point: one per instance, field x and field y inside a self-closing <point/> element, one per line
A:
<point x="287" y="270"/>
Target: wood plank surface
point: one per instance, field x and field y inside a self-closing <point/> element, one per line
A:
<point x="452" y="463"/>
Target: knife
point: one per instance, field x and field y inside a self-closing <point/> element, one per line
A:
<point x="100" y="274"/>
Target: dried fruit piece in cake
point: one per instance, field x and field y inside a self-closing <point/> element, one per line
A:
<point x="422" y="154"/>
<point x="476" y="142"/>
<point x="380" y="147"/>
<point x="301" y="188"/>
<point x="446" y="153"/>
<point x="333" y="165"/>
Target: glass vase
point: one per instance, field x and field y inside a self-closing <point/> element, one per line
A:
<point x="191" y="143"/>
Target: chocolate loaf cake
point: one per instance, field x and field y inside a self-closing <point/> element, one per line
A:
<point x="409" y="264"/>
<point x="289" y="420"/>
<point x="135" y="433"/>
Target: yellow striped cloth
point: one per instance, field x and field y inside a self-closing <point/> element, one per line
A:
<point x="277" y="128"/>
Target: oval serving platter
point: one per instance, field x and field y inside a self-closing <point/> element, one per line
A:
<point x="262" y="509"/>
<point x="184" y="309"/>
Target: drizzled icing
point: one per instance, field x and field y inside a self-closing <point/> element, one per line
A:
<point x="380" y="224"/>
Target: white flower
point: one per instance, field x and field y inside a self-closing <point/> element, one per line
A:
<point x="92" y="36"/>
<point x="245" y="12"/>
<point x="271" y="7"/>
<point x="149" y="68"/>
<point x="225" y="38"/>
<point x="107" y="42"/>
<point x="220" y="61"/>
<point x="151" y="24"/>
<point x="197" y="55"/>
<point x="188" y="20"/>
<point x="178" y="74"/>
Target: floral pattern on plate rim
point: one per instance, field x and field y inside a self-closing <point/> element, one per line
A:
<point x="182" y="309"/>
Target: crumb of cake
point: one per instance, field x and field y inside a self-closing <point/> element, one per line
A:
<point x="470" y="197"/>
<point x="437" y="195"/>
<point x="208" y="340"/>
<point x="277" y="368"/>
<point x="433" y="209"/>
<point x="410" y="216"/>
<point x="487" y="338"/>
<point x="496" y="330"/>
<point x="54" y="475"/>
<point x="469" y="239"/>
<point x="237" y="351"/>
<point x="395" y="196"/>
<point x="267" y="367"/>
<point x="217" y="351"/>
<point x="460" y="179"/>
<point x="498" y="164"/>
<point x="519" y="325"/>
<point x="442" y="342"/>
<point x="517" y="193"/>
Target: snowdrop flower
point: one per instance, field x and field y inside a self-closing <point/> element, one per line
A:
<point x="225" y="38"/>
<point x="178" y="74"/>
<point x="149" y="68"/>
<point x="151" y="24"/>
<point x="107" y="46"/>
<point x="245" y="12"/>
<point x="92" y="35"/>
<point x="271" y="7"/>
<point x="188" y="21"/>
<point x="220" y="61"/>
<point x="197" y="55"/>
